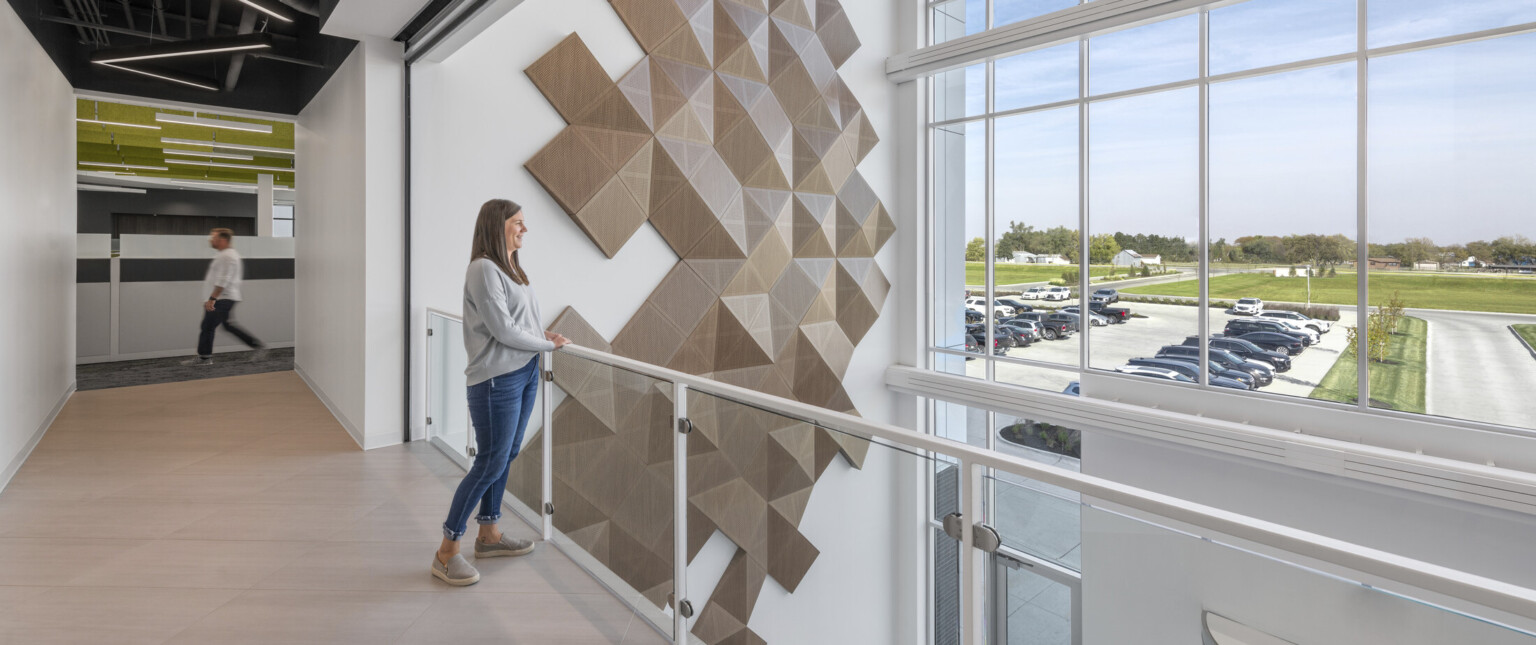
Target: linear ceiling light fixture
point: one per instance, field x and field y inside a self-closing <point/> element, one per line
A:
<point x="270" y="8"/>
<point x="183" y="48"/>
<point x="212" y="123"/>
<point x="215" y="164"/>
<point x="120" y="124"/>
<point x="211" y="155"/>
<point x="167" y="75"/>
<point x="122" y="165"/>
<point x="98" y="188"/>
<point x="227" y="146"/>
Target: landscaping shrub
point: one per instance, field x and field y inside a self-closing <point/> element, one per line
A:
<point x="1320" y="312"/>
<point x="1045" y="436"/>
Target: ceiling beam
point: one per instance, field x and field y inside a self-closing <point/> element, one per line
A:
<point x="237" y="62"/>
<point x="127" y="13"/>
<point x="213" y="16"/>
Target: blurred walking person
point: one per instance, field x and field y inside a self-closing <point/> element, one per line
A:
<point x="222" y="284"/>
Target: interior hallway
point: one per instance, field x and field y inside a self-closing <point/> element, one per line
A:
<point x="236" y="510"/>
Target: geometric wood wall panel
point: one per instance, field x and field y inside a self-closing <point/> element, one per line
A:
<point x="738" y="141"/>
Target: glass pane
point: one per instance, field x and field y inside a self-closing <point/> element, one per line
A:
<point x="1035" y="376"/>
<point x="959" y="168"/>
<point x="1037" y="218"/>
<point x="282" y="211"/>
<point x="1260" y="33"/>
<point x="613" y="479"/>
<point x="965" y="425"/>
<point x="1282" y="196"/>
<point x="1404" y="21"/>
<point x="1037" y="518"/>
<point x="1039" y="609"/>
<point x="1139" y="573"/>
<point x="282" y="228"/>
<point x="811" y="508"/>
<point x="1010" y="11"/>
<point x="447" y="402"/>
<point x="958" y="18"/>
<point x="960" y="93"/>
<point x="1144" y="217"/>
<point x="1038" y="77"/>
<point x="1451" y="189"/>
<point x="1162" y="52"/>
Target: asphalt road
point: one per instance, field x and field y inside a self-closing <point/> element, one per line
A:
<point x="1478" y="370"/>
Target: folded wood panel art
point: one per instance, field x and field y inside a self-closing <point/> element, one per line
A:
<point x="737" y="140"/>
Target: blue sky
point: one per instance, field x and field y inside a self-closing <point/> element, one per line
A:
<point x="1452" y="136"/>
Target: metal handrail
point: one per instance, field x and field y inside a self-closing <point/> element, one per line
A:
<point x="1478" y="590"/>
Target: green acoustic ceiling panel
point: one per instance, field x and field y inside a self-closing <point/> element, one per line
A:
<point x="106" y="135"/>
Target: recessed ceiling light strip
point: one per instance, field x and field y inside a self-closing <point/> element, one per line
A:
<point x="183" y="49"/>
<point x="97" y="188"/>
<point x="227" y="146"/>
<point x="122" y="165"/>
<point x="210" y="154"/>
<point x="215" y="164"/>
<point x="117" y="123"/>
<point x="166" y="77"/>
<point x="213" y="123"/>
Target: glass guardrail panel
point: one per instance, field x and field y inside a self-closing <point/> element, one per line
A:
<point x="1038" y="608"/>
<point x="1037" y="519"/>
<point x="448" y="425"/>
<point x="1137" y="573"/>
<point x="795" y="529"/>
<point x="612" y="479"/>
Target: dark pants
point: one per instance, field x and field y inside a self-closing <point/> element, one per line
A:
<point x="220" y="316"/>
<point x="499" y="409"/>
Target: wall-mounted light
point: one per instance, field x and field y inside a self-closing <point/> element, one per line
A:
<point x="119" y="124"/>
<point x="183" y="48"/>
<point x="213" y="123"/>
<point x="215" y="164"/>
<point x="270" y="8"/>
<point x="122" y="165"/>
<point x="227" y="146"/>
<point x="213" y="155"/>
<point x="167" y="75"/>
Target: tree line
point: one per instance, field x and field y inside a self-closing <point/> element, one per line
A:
<point x="1321" y="251"/>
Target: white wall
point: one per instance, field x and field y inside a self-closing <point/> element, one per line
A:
<point x="347" y="270"/>
<point x="1142" y="585"/>
<point x="476" y="119"/>
<point x="37" y="249"/>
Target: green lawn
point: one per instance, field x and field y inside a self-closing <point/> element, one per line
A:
<point x="1397" y="384"/>
<point x="1463" y="293"/>
<point x="1528" y="332"/>
<point x="976" y="272"/>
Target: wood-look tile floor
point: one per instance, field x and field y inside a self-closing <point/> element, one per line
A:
<point x="236" y="510"/>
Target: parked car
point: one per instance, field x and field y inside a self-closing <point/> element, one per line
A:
<point x="1262" y="373"/>
<point x="1279" y="361"/>
<point x="1293" y="327"/>
<point x="1106" y="296"/>
<point x="1070" y="319"/>
<point x="1058" y="293"/>
<point x="1022" y="336"/>
<point x="1273" y="341"/>
<point x="1319" y="326"/>
<point x="1248" y="380"/>
<point x="1189" y="370"/>
<point x="1001" y="339"/>
<point x="1240" y="327"/>
<point x="1074" y="388"/>
<point x="1049" y="329"/>
<point x="979" y="303"/>
<point x="972" y="316"/>
<point x="1035" y="293"/>
<point x="1097" y="320"/>
<point x="972" y="345"/>
<point x="1155" y="373"/>
<point x="1116" y="314"/>
<point x="1018" y="306"/>
<point x="1248" y="306"/>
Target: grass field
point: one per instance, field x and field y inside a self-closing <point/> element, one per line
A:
<point x="1528" y="332"/>
<point x="1397" y="384"/>
<point x="1461" y="293"/>
<point x="976" y="272"/>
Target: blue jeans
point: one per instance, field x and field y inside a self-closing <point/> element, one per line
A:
<point x="499" y="409"/>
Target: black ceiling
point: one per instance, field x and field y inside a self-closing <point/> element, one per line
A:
<point x="281" y="80"/>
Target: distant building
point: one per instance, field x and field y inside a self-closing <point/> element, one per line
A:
<point x="1426" y="266"/>
<point x="1471" y="262"/>
<point x="1383" y="263"/>
<point x="1054" y="258"/>
<point x="1025" y="257"/>
<point x="1022" y="257"/>
<point x="1128" y="258"/>
<point x="1154" y="260"/>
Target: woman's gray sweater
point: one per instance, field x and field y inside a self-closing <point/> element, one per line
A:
<point x="502" y="327"/>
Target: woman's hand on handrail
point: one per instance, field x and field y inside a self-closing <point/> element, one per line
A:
<point x="557" y="339"/>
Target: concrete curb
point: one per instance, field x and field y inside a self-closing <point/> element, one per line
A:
<point x="1522" y="340"/>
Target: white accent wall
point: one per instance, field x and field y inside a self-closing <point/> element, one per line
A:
<point x="348" y="264"/>
<point x="37" y="248"/>
<point x="476" y="119"/>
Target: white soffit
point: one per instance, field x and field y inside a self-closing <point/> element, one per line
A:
<point x="376" y="18"/>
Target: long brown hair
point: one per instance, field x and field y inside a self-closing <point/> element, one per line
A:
<point x="491" y="238"/>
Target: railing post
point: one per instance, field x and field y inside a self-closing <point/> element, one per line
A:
<point x="973" y="561"/>
<point x="682" y="609"/>
<point x="546" y="410"/>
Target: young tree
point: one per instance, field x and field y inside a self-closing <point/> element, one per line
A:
<point x="976" y="251"/>
<point x="1102" y="249"/>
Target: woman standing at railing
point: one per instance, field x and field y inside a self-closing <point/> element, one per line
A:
<point x="503" y="336"/>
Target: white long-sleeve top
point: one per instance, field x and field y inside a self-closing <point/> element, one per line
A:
<point x="226" y="270"/>
<point x="502" y="326"/>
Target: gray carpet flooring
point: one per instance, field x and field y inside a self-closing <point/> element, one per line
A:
<point x="101" y="376"/>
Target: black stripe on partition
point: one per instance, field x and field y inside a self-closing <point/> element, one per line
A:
<point x="93" y="271"/>
<point x="192" y="270"/>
